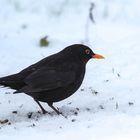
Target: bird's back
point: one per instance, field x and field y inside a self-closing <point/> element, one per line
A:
<point x="58" y="62"/>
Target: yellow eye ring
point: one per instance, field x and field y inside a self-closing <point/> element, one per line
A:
<point x="87" y="51"/>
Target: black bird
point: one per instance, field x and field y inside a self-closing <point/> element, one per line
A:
<point x="54" y="78"/>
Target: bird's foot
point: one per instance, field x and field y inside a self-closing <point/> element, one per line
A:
<point x="45" y="112"/>
<point x="64" y="116"/>
<point x="56" y="110"/>
<point x="60" y="113"/>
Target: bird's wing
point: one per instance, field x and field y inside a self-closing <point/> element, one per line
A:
<point x="47" y="79"/>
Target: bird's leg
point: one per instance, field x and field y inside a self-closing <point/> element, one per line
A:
<point x="43" y="110"/>
<point x="51" y="105"/>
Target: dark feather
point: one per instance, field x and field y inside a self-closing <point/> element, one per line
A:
<point x="47" y="79"/>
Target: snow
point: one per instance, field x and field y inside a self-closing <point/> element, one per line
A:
<point x="112" y="113"/>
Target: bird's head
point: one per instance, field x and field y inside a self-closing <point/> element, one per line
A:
<point x="82" y="52"/>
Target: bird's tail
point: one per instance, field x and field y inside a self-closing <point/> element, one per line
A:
<point x="12" y="81"/>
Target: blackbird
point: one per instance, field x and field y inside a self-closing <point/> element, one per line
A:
<point x="54" y="78"/>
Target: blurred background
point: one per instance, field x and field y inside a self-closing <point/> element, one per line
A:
<point x="74" y="20"/>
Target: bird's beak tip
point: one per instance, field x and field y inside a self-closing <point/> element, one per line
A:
<point x="98" y="56"/>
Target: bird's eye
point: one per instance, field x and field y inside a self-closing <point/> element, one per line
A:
<point x="87" y="51"/>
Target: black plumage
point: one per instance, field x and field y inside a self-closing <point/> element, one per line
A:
<point x="54" y="78"/>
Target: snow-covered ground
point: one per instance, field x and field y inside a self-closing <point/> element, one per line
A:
<point x="113" y="113"/>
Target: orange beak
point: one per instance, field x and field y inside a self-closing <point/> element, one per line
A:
<point x="98" y="56"/>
